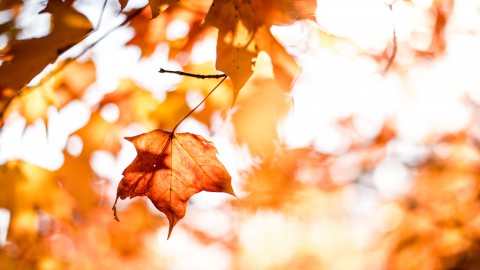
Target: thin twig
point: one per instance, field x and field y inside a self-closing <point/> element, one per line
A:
<point x="129" y="18"/>
<point x="201" y="102"/>
<point x="198" y="76"/>
<point x="69" y="60"/>
<point x="101" y="13"/>
<point x="393" y="54"/>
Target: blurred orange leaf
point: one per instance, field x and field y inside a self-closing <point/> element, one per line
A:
<point x="169" y="169"/>
<point x="73" y="79"/>
<point x="78" y="185"/>
<point x="156" y="6"/>
<point x="129" y="97"/>
<point x="34" y="102"/>
<point x="235" y="45"/>
<point x="151" y="32"/>
<point x="100" y="134"/>
<point x="242" y="34"/>
<point x="31" y="56"/>
<point x="21" y="190"/>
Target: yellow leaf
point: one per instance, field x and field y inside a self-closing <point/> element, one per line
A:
<point x="21" y="183"/>
<point x="243" y="31"/>
<point x="285" y="69"/>
<point x="236" y="47"/>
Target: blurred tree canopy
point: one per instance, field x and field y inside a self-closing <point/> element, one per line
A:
<point x="349" y="129"/>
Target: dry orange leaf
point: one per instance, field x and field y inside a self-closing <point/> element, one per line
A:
<point x="169" y="169"/>
<point x="243" y="31"/>
<point x="236" y="49"/>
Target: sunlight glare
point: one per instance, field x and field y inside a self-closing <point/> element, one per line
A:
<point x="177" y="29"/>
<point x="110" y="112"/>
<point x="181" y="245"/>
<point x="193" y="98"/>
<point x="368" y="22"/>
<point x="37" y="150"/>
<point x="204" y="51"/>
<point x="392" y="179"/>
<point x="215" y="223"/>
<point x="4" y="224"/>
<point x="101" y="162"/>
<point x="275" y="237"/>
<point x="74" y="145"/>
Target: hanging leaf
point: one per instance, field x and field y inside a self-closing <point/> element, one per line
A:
<point x="169" y="169"/>
<point x="236" y="47"/>
<point x="244" y="31"/>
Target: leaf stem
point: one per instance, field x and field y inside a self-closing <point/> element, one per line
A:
<point x="101" y="13"/>
<point x="201" y="102"/>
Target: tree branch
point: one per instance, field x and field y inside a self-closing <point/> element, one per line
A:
<point x="198" y="76"/>
<point x="393" y="53"/>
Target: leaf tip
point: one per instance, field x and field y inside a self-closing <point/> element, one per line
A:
<point x="170" y="229"/>
<point x="234" y="98"/>
<point x="229" y="190"/>
<point x="172" y="220"/>
<point x="130" y="139"/>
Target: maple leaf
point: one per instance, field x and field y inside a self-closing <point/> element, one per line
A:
<point x="169" y="169"/>
<point x="243" y="32"/>
<point x="235" y="45"/>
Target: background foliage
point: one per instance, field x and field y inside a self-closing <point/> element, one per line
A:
<point x="350" y="129"/>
